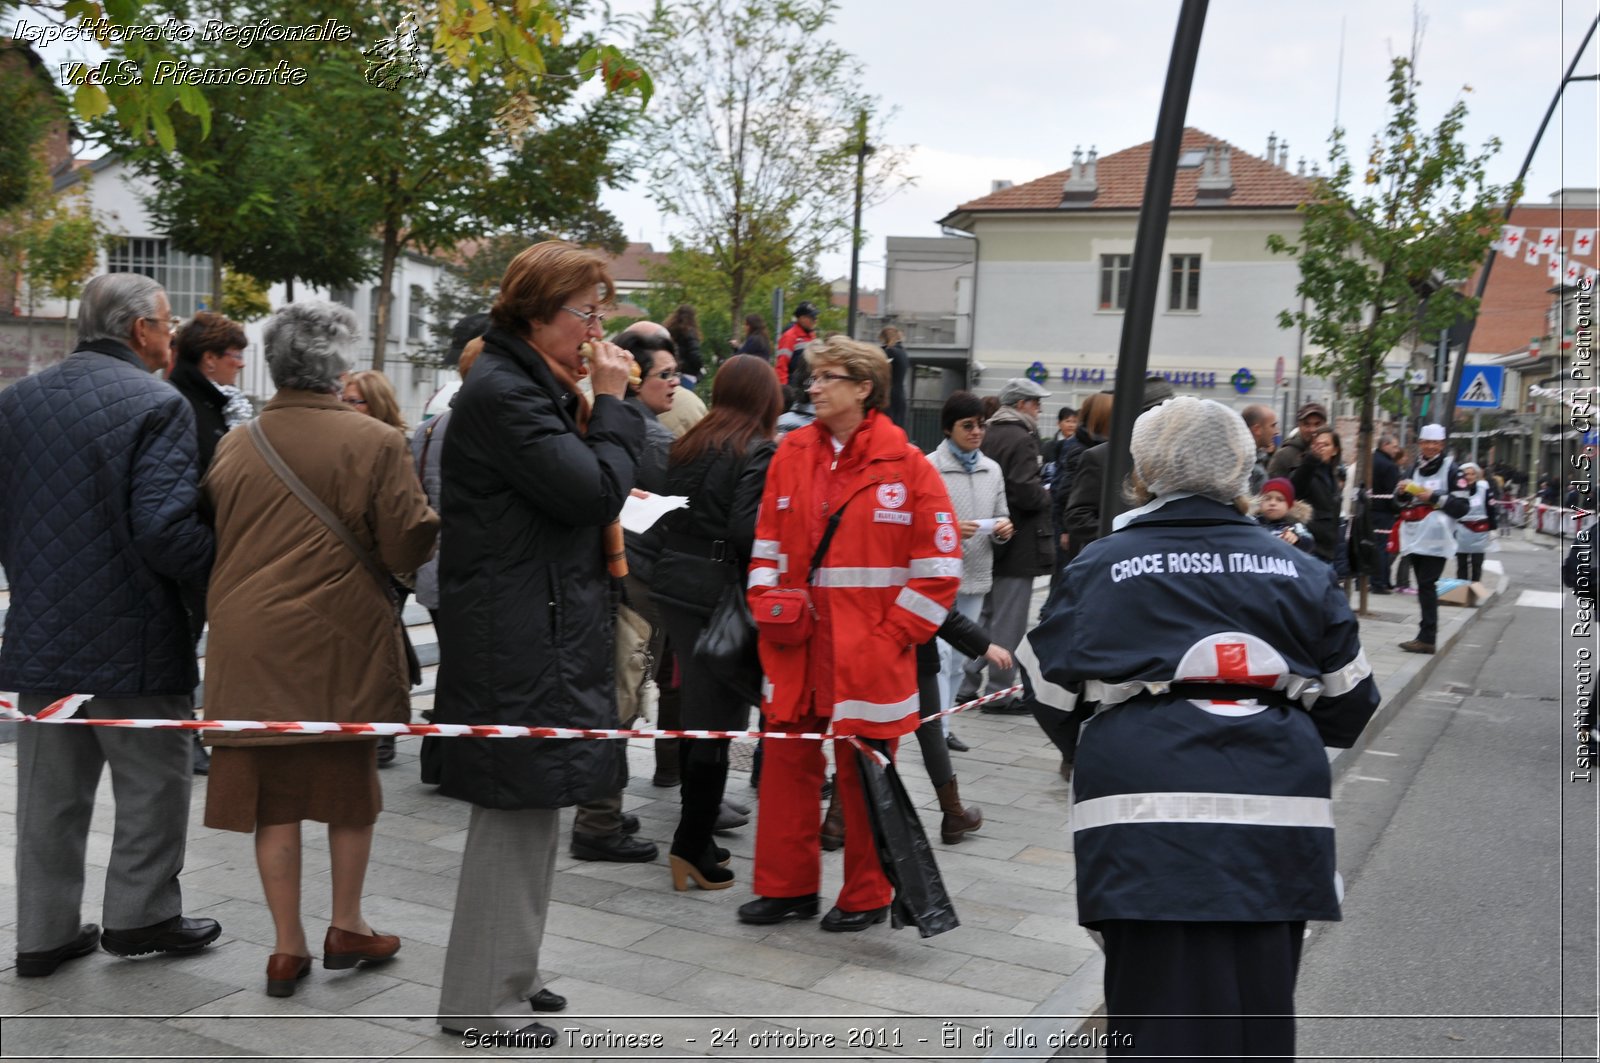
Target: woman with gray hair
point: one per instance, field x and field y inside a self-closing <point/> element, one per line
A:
<point x="1219" y="661"/>
<point x="301" y="629"/>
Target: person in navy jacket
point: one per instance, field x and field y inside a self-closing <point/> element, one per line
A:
<point x="1220" y="662"/>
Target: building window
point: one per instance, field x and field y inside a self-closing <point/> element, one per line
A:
<point x="1114" y="271"/>
<point x="345" y="297"/>
<point x="372" y="317"/>
<point x="414" y="322"/>
<point x="186" y="277"/>
<point x="1184" y="291"/>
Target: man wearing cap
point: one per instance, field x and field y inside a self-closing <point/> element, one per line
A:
<point x="802" y="332"/>
<point x="1013" y="442"/>
<point x="1431" y="497"/>
<point x="1311" y="416"/>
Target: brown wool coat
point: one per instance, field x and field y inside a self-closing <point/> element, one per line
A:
<point x="299" y="629"/>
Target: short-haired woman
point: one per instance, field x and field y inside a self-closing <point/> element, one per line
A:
<point x="884" y="585"/>
<point x="210" y="354"/>
<point x="300" y="630"/>
<point x="536" y="475"/>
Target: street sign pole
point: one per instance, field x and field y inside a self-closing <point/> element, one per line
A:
<point x="1477" y="426"/>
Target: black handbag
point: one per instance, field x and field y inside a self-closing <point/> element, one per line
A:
<point x="727" y="645"/>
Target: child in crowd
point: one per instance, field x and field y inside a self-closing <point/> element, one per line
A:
<point x="1280" y="514"/>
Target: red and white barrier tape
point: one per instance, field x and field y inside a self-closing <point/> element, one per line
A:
<point x="62" y="712"/>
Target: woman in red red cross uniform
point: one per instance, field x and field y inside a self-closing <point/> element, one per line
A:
<point x="884" y="584"/>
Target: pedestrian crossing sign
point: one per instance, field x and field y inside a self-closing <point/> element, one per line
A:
<point x="1481" y="387"/>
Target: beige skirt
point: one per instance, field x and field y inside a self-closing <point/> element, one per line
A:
<point x="331" y="782"/>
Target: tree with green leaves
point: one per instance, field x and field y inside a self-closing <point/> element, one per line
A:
<point x="1381" y="254"/>
<point x="303" y="184"/>
<point x="752" y="140"/>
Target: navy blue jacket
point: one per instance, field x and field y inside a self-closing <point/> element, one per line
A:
<point x="1209" y="802"/>
<point x="99" y="525"/>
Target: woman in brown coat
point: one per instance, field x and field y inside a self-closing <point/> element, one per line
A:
<point x="301" y="630"/>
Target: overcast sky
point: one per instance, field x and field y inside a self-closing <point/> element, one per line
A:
<point x="989" y="89"/>
<point x="1006" y="88"/>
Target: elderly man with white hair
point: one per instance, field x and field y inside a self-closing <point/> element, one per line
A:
<point x="1219" y="662"/>
<point x="100" y="532"/>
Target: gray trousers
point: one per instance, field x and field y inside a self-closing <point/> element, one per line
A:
<point x="58" y="772"/>
<point x="1006" y="613"/>
<point x="492" y="965"/>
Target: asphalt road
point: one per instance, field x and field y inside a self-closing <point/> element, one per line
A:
<point x="1469" y="857"/>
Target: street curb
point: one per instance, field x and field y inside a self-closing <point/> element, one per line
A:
<point x="1082" y="994"/>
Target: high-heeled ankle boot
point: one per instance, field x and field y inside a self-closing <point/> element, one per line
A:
<point x="958" y="819"/>
<point x="832" y="833"/>
<point x="707" y="872"/>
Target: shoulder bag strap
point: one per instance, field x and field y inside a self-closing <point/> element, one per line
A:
<point x="827" y="538"/>
<point x="258" y="436"/>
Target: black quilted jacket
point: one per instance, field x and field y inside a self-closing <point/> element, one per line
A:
<point x="99" y="489"/>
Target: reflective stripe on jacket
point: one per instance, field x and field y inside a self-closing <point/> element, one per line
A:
<point x="889" y="577"/>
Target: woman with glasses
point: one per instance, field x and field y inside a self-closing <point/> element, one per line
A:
<point x="849" y="496"/>
<point x="208" y="354"/>
<point x="536" y="474"/>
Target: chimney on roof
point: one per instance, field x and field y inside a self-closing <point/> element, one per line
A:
<point x="1216" y="176"/>
<point x="1083" y="185"/>
<point x="1272" y="146"/>
<point x="1316" y="170"/>
<point x="1283" y="154"/>
<point x="1302" y="170"/>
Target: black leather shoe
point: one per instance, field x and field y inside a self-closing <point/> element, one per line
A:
<point x="533" y="1035"/>
<point x="765" y="910"/>
<point x="955" y="744"/>
<point x="385" y="751"/>
<point x="544" y="1000"/>
<point x="630" y="823"/>
<point x="43" y="964"/>
<point x="178" y="935"/>
<point x="618" y="848"/>
<point x="840" y="921"/>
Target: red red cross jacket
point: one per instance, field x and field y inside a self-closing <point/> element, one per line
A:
<point x="889" y="577"/>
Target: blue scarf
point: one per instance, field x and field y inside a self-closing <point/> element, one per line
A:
<point x="968" y="458"/>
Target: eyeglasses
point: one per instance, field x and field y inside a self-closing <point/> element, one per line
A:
<point x="666" y="374"/>
<point x="237" y="356"/>
<point x="972" y="426"/>
<point x="172" y="323"/>
<point x="352" y="402"/>
<point x="828" y="378"/>
<point x="594" y="320"/>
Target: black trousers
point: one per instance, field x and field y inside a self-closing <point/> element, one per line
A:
<point x="1379" y="578"/>
<point x="930" y="735"/>
<point x="1428" y="570"/>
<point x="1179" y="990"/>
<point x="704" y="704"/>
<point x="1469" y="567"/>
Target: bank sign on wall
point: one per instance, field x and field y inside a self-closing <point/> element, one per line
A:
<point x="1242" y="381"/>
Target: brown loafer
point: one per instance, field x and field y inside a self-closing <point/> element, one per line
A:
<point x="342" y="949"/>
<point x="284" y="969"/>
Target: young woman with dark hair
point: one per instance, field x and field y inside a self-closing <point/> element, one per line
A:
<point x="721" y="466"/>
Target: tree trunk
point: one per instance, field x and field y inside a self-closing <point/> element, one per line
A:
<point x="288" y="290"/>
<point x="391" y="255"/>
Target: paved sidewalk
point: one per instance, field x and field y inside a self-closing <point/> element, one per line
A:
<point x="633" y="956"/>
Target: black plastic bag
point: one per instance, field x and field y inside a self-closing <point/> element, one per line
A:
<point x="727" y="646"/>
<point x="920" y="899"/>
